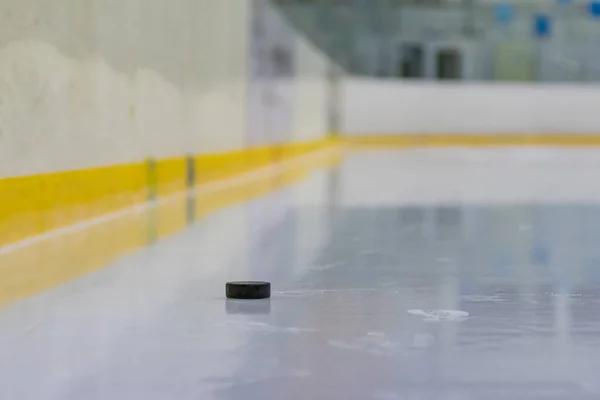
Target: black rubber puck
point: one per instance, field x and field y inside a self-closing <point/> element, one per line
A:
<point x="248" y="290"/>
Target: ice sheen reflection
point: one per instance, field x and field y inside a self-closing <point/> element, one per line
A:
<point x="526" y="274"/>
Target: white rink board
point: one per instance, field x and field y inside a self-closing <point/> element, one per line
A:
<point x="388" y="107"/>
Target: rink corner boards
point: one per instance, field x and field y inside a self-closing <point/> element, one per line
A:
<point x="470" y="140"/>
<point x="58" y="226"/>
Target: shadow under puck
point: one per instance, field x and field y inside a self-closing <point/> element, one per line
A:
<point x="262" y="307"/>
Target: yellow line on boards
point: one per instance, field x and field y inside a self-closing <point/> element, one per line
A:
<point x="446" y="140"/>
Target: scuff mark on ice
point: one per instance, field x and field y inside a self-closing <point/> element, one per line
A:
<point x="261" y="326"/>
<point x="475" y="298"/>
<point x="440" y="315"/>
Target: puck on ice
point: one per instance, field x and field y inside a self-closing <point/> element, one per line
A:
<point x="248" y="290"/>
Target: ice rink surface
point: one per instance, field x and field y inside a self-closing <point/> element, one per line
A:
<point x="415" y="274"/>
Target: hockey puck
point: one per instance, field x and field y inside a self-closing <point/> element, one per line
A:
<point x="248" y="290"/>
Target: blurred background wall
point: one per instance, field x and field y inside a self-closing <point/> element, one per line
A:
<point x="483" y="71"/>
<point x="499" y="40"/>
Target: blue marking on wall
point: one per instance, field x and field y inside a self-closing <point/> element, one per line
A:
<point x="542" y="26"/>
<point x="504" y="13"/>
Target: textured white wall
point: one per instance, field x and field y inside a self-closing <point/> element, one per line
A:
<point x="377" y="107"/>
<point x="95" y="82"/>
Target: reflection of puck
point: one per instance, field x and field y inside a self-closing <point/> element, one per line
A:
<point x="248" y="290"/>
<point x="233" y="306"/>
